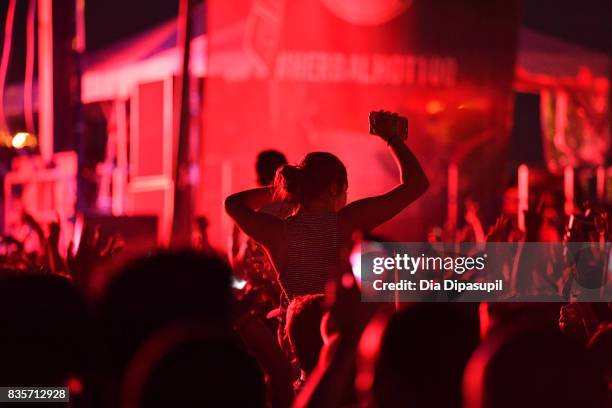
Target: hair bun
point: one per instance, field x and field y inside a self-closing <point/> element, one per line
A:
<point x="288" y="182"/>
<point x="311" y="179"/>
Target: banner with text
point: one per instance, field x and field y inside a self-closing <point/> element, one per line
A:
<point x="302" y="75"/>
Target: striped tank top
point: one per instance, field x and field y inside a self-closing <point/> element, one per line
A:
<point x="313" y="252"/>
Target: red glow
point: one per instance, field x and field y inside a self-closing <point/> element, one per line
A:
<point x="485" y="321"/>
<point x="523" y="194"/>
<point x="4" y="61"/>
<point x="568" y="189"/>
<point x="28" y="84"/>
<point x="434" y="106"/>
<point x="369" y="346"/>
<point x="75" y="385"/>
<point x="45" y="78"/>
<point x="453" y="197"/>
<point x="348" y="281"/>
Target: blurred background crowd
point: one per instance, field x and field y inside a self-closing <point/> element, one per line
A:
<point x="184" y="328"/>
<point x="124" y="126"/>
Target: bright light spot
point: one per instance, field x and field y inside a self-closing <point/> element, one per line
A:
<point x="75" y="385"/>
<point x="19" y="140"/>
<point x="79" y="224"/>
<point x="348" y="280"/>
<point x="238" y="283"/>
<point x="434" y="106"/>
<point x="355" y="260"/>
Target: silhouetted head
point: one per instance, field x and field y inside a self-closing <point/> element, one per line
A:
<point x="531" y="369"/>
<point x="496" y="316"/>
<point x="161" y="289"/>
<point x="415" y="358"/>
<point x="193" y="365"/>
<point x="303" y="329"/>
<point x="44" y="331"/>
<point x="599" y="351"/>
<point x="268" y="162"/>
<point x="320" y="176"/>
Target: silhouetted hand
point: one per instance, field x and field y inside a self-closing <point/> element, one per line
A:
<point x="350" y="315"/>
<point x="54" y="260"/>
<point x="500" y="231"/>
<point x="92" y="251"/>
<point x="577" y="321"/>
<point x="29" y="220"/>
<point x="385" y="124"/>
<point x="533" y="220"/>
<point x="471" y="211"/>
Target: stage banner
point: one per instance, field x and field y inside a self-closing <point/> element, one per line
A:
<point x="302" y="75"/>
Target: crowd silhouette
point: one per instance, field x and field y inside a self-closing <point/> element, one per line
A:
<point x="173" y="328"/>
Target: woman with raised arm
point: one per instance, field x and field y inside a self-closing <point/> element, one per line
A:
<point x="305" y="247"/>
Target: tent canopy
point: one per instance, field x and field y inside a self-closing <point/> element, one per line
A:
<point x="545" y="61"/>
<point x="112" y="73"/>
<point x="542" y="53"/>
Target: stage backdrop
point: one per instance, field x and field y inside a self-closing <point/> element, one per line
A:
<point x="302" y="75"/>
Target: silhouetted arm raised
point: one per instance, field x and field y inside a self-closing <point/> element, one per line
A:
<point x="242" y="207"/>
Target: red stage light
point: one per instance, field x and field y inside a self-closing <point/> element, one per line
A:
<point x="23" y="139"/>
<point x="434" y="106"/>
<point x="75" y="385"/>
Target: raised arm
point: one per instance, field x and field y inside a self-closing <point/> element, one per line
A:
<point x="243" y="206"/>
<point x="368" y="213"/>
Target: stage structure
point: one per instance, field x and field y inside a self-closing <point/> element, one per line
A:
<point x="139" y="101"/>
<point x="302" y="76"/>
<point x="307" y="73"/>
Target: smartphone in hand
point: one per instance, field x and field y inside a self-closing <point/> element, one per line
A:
<point x="386" y="124"/>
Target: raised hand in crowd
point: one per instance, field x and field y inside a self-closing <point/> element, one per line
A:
<point x="473" y="220"/>
<point x="578" y="322"/>
<point x="533" y="220"/>
<point x="93" y="250"/>
<point x="500" y="231"/>
<point x="54" y="259"/>
<point x="31" y="222"/>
